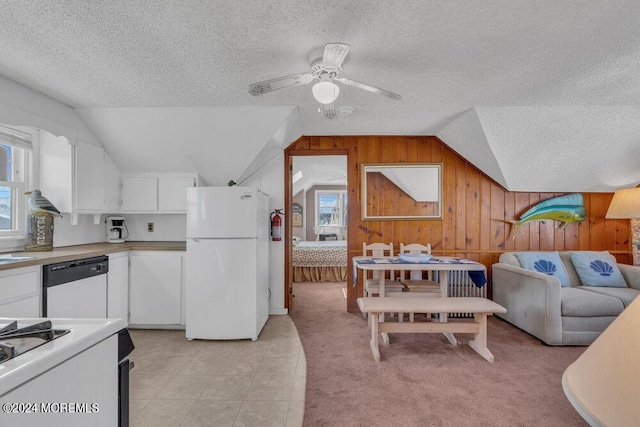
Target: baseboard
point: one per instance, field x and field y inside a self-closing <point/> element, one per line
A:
<point x="148" y="326"/>
<point x="278" y="311"/>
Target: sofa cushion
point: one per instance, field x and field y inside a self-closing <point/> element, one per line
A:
<point x="626" y="295"/>
<point x="548" y="263"/>
<point x="597" y="269"/>
<point x="580" y="303"/>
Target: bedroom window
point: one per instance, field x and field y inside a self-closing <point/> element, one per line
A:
<point x="331" y="209"/>
<point x="15" y="169"/>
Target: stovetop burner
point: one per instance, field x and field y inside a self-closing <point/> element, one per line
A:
<point x="15" y="341"/>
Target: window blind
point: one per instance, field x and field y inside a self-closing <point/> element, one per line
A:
<point x="15" y="138"/>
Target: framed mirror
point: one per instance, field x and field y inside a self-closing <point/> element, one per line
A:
<point x="405" y="191"/>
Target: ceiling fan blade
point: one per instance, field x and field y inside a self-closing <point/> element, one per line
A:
<point x="369" y="88"/>
<point x="329" y="111"/>
<point x="334" y="54"/>
<point x="259" y="88"/>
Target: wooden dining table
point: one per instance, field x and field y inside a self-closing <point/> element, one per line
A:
<point x="477" y="272"/>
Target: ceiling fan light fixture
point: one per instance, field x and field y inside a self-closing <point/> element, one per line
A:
<point x="325" y="92"/>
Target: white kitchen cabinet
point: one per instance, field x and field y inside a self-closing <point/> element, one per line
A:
<point x="56" y="163"/>
<point x="20" y="290"/>
<point x="118" y="286"/>
<point x="111" y="186"/>
<point x="89" y="179"/>
<point x="28" y="307"/>
<point x="172" y="194"/>
<point x="139" y="194"/>
<point x="156" y="287"/>
<point x="159" y="193"/>
<point x="71" y="175"/>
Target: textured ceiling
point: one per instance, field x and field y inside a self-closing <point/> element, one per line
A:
<point x="444" y="58"/>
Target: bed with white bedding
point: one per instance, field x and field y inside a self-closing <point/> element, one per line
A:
<point x="320" y="261"/>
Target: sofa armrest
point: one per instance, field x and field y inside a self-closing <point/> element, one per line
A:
<point x="532" y="300"/>
<point x="631" y="275"/>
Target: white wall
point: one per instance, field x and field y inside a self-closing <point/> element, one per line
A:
<point x="166" y="227"/>
<point x="270" y="179"/>
<point x="65" y="234"/>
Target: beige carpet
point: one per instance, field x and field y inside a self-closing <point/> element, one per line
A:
<point x="422" y="380"/>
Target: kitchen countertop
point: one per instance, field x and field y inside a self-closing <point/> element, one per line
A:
<point x="69" y="253"/>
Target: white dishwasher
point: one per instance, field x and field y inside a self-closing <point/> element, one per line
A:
<point x="75" y="289"/>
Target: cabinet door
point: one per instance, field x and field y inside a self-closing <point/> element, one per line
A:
<point x="118" y="286"/>
<point x="20" y="290"/>
<point x="111" y="186"/>
<point x="155" y="288"/>
<point x="139" y="193"/>
<point x="89" y="177"/>
<point x="56" y="162"/>
<point x="29" y="307"/>
<point x="172" y="193"/>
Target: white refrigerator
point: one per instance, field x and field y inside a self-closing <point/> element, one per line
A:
<point x="227" y="268"/>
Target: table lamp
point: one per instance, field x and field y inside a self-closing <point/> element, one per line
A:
<point x="626" y="205"/>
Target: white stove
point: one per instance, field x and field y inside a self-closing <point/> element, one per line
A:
<point x="75" y="378"/>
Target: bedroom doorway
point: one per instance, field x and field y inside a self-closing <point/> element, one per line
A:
<point x="317" y="214"/>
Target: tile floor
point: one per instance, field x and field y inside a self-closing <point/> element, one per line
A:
<point x="176" y="382"/>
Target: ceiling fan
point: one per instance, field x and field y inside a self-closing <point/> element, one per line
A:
<point x="326" y="67"/>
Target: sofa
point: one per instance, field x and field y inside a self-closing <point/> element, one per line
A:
<point x="572" y="315"/>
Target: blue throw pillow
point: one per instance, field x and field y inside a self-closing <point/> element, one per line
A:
<point x="545" y="262"/>
<point x="597" y="269"/>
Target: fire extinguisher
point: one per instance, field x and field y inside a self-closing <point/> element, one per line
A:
<point x="276" y="225"/>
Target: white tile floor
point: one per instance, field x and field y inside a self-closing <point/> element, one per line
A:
<point x="176" y="382"/>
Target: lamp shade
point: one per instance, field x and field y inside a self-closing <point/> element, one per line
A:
<point x="325" y="92"/>
<point x="625" y="204"/>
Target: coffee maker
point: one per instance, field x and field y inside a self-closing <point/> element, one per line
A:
<point x="116" y="229"/>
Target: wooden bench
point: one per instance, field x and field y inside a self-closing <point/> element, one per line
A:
<point x="480" y="307"/>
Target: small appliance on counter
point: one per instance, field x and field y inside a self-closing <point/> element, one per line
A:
<point x="116" y="229"/>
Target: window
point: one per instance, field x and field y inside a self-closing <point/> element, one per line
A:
<point x="331" y="210"/>
<point x="15" y="172"/>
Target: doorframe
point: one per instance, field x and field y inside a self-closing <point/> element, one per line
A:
<point x="288" y="201"/>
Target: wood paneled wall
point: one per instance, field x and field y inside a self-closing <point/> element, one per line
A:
<point x="474" y="207"/>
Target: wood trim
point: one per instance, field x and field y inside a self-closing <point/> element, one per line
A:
<point x="290" y="152"/>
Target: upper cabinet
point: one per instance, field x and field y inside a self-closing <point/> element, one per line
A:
<point x="89" y="179"/>
<point x="111" y="186"/>
<point x="172" y="195"/>
<point x="139" y="193"/>
<point x="72" y="177"/>
<point x="156" y="193"/>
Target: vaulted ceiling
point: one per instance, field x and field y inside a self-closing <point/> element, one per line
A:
<point x="541" y="96"/>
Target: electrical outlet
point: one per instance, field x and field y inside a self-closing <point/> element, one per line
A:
<point x="150" y="227"/>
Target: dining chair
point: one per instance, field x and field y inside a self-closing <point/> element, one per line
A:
<point x="372" y="284"/>
<point x="416" y="285"/>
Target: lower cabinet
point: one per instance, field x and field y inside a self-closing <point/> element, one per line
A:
<point x="118" y="286"/>
<point x="156" y="287"/>
<point x="20" y="291"/>
<point x="27" y="307"/>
